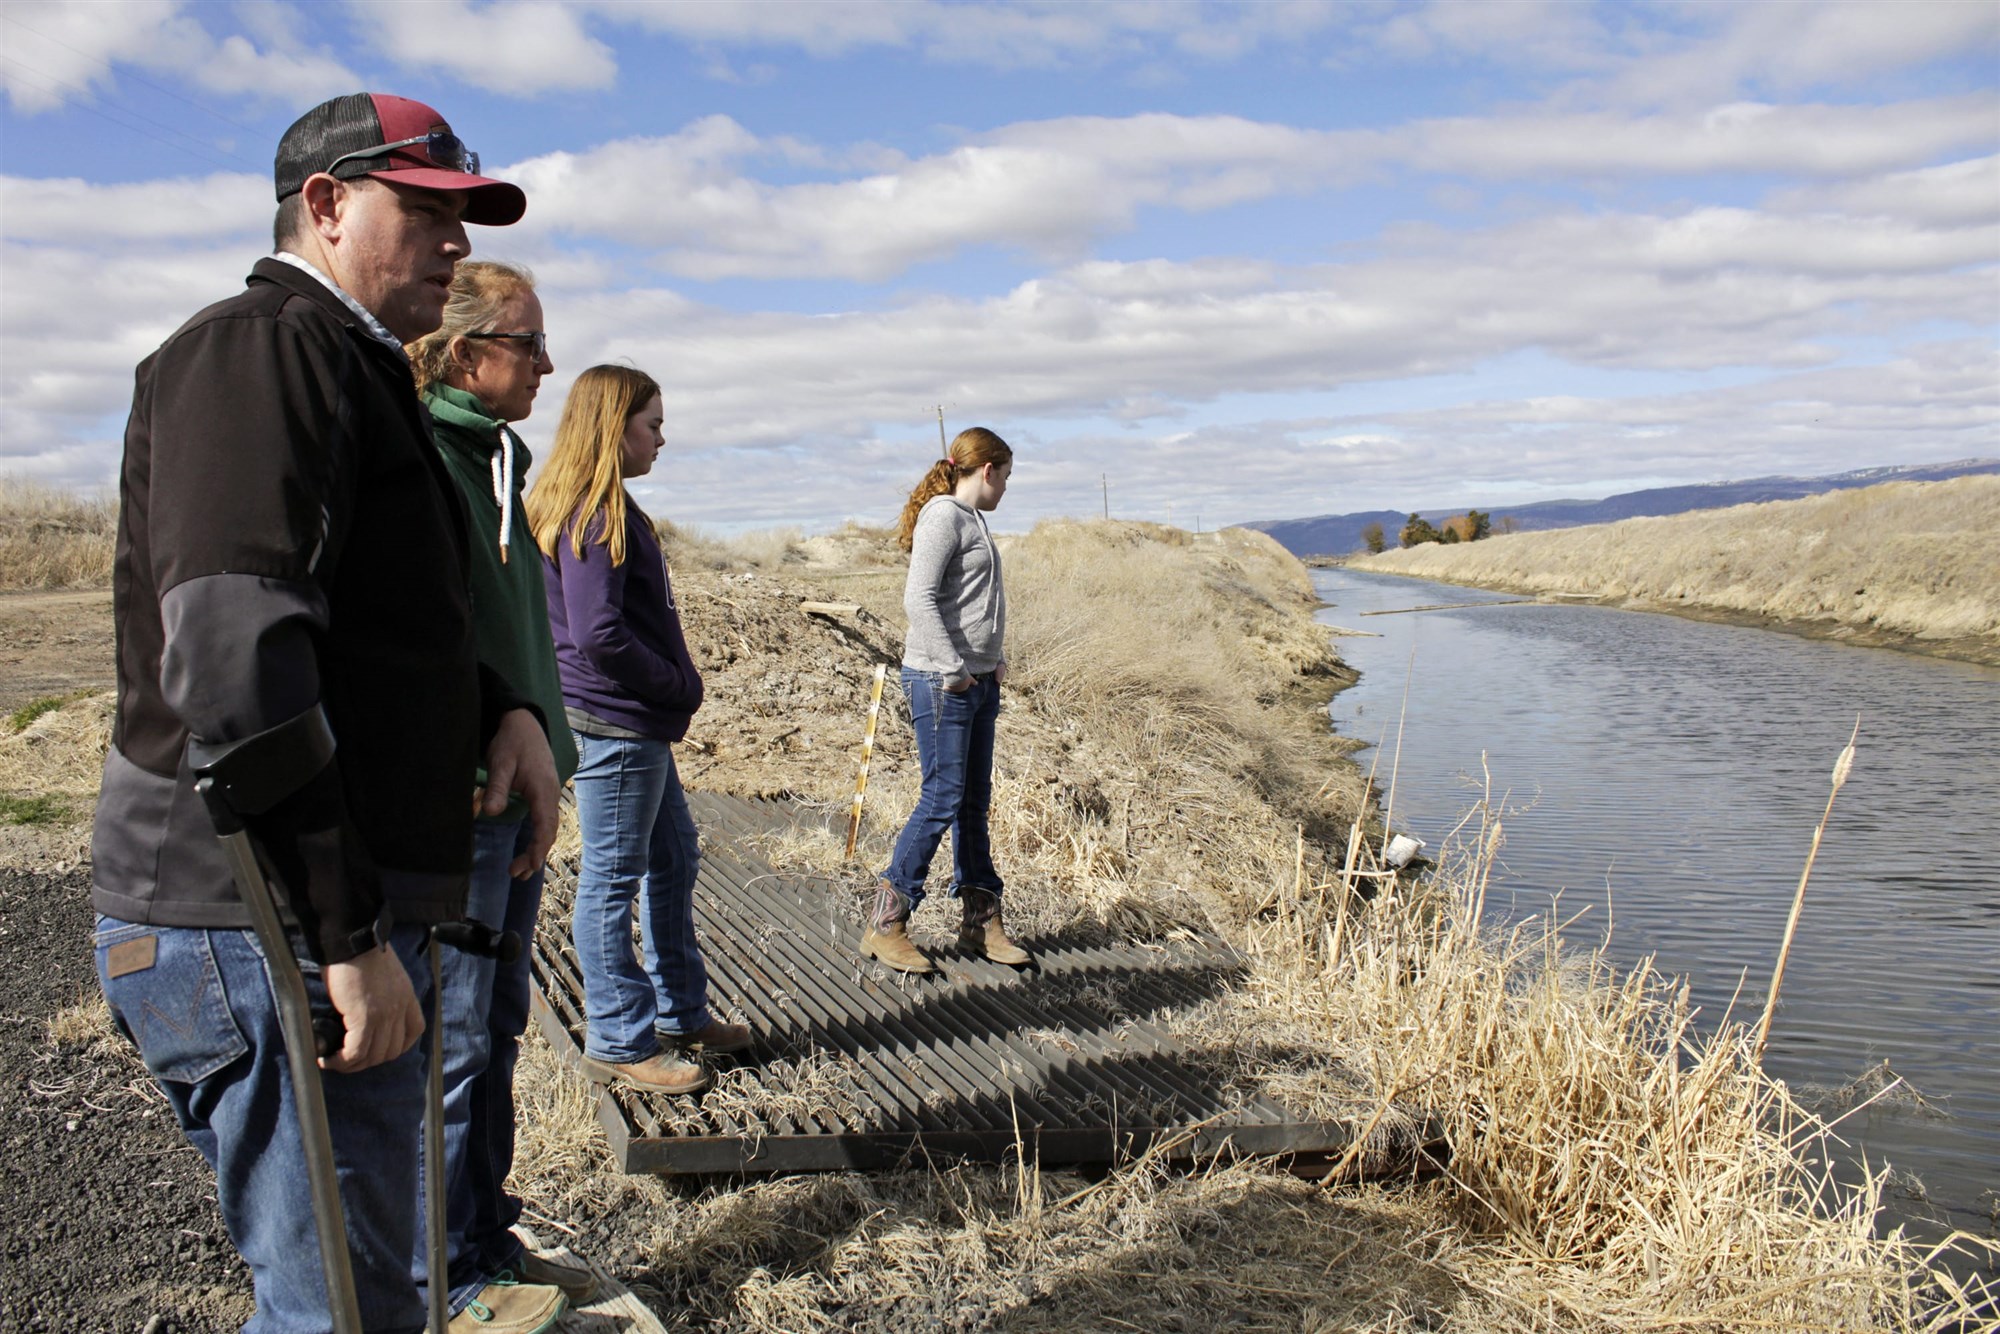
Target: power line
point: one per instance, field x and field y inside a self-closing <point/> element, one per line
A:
<point x="136" y="78"/>
<point x="58" y="85"/>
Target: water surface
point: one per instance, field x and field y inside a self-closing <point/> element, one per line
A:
<point x="1667" y="774"/>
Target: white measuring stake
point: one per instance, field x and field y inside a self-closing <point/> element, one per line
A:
<point x="867" y="751"/>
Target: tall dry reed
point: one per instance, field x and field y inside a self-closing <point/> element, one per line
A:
<point x="1619" y="1166"/>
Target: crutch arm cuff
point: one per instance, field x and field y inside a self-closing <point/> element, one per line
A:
<point x="251" y="775"/>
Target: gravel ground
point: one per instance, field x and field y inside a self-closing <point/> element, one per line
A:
<point x="109" y="1216"/>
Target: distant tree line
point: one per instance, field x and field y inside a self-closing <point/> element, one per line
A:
<point x="1470" y="526"/>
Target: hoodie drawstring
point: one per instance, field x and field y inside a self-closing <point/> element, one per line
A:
<point x="503" y="489"/>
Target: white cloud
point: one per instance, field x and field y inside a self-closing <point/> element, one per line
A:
<point x="1052" y="187"/>
<point x="96" y="275"/>
<point x="1795" y="47"/>
<point x="1935" y="402"/>
<point x="1811" y="140"/>
<point x="1552" y="34"/>
<point x="524" y="47"/>
<point x="1956" y="194"/>
<point x="73" y="210"/>
<point x="1030" y="33"/>
<point x="1699" y="291"/>
<point x="1932" y="403"/>
<point x="58" y="53"/>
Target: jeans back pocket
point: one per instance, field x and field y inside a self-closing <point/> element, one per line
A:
<point x="169" y="997"/>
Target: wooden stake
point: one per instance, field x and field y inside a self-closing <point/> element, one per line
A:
<point x="867" y="748"/>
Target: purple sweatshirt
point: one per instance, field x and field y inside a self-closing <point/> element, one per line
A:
<point x="619" y="648"/>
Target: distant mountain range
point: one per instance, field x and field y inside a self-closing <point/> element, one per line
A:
<point x="1338" y="534"/>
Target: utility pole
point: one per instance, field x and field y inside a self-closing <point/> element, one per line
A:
<point x="944" y="447"/>
<point x="1104" y="481"/>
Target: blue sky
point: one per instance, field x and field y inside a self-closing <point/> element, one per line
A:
<point x="1249" y="261"/>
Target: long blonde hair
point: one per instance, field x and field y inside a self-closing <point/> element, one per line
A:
<point x="971" y="449"/>
<point x="584" y="480"/>
<point x="479" y="288"/>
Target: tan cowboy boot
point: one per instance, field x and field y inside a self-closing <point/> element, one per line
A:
<point x="983" y="932"/>
<point x="887" y="939"/>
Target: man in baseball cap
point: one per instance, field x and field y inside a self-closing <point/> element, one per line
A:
<point x="291" y="564"/>
<point x="397" y="140"/>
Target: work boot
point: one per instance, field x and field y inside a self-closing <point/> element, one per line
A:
<point x="887" y="939"/>
<point x="656" y="1074"/>
<point x="983" y="932"/>
<point x="576" y="1282"/>
<point x="506" y="1307"/>
<point x="713" y="1036"/>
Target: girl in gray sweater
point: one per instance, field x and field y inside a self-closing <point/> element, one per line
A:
<point x="953" y="664"/>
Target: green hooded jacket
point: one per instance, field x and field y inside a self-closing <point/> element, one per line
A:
<point x="510" y="613"/>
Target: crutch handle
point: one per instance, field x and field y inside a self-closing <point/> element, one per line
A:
<point x="478" y="938"/>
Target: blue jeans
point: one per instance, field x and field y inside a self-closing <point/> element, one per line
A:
<point x="483" y="1010"/>
<point x="637" y="834"/>
<point x="955" y="750"/>
<point x="201" y="1011"/>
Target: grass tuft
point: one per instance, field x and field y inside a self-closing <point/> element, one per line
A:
<point x="42" y="809"/>
<point x="19" y="719"/>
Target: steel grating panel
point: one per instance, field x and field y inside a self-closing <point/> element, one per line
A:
<point x="858" y="1067"/>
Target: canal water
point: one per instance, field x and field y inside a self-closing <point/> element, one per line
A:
<point x="1667" y="774"/>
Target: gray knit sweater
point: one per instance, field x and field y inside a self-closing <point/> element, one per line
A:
<point x="954" y="598"/>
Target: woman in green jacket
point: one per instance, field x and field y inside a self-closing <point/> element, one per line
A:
<point x="477" y="373"/>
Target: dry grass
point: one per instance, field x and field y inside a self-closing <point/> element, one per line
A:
<point x="1164" y="765"/>
<point x="1910" y="557"/>
<point x="959" y="1248"/>
<point x="84" y="1024"/>
<point x="49" y="772"/>
<point x="1612" y="1167"/>
<point x="1163" y="725"/>
<point x="54" y="539"/>
<point x="1616" y="1167"/>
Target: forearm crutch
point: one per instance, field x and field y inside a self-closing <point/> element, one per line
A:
<point x="249" y="777"/>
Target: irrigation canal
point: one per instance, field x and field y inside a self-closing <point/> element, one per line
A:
<point x="1667" y="774"/>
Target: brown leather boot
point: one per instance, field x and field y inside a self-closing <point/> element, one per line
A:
<point x="661" y="1073"/>
<point x="887" y="939"/>
<point x="983" y="932"/>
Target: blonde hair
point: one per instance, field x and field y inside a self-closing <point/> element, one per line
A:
<point x="584" y="480"/>
<point x="479" y="288"/>
<point x="971" y="449"/>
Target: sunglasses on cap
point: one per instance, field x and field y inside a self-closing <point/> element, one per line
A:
<point x="538" y="341"/>
<point x="442" y="147"/>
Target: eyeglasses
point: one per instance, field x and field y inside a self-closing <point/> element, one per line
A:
<point x="442" y="147"/>
<point x="538" y="341"/>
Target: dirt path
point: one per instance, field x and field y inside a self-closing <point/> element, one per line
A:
<point x="54" y="643"/>
<point x="109" y="1214"/>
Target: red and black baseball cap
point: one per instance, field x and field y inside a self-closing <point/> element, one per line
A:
<point x="392" y="138"/>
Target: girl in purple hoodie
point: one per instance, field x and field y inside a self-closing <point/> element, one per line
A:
<point x="629" y="689"/>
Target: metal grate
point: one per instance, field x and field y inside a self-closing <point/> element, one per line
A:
<point x="857" y="1067"/>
